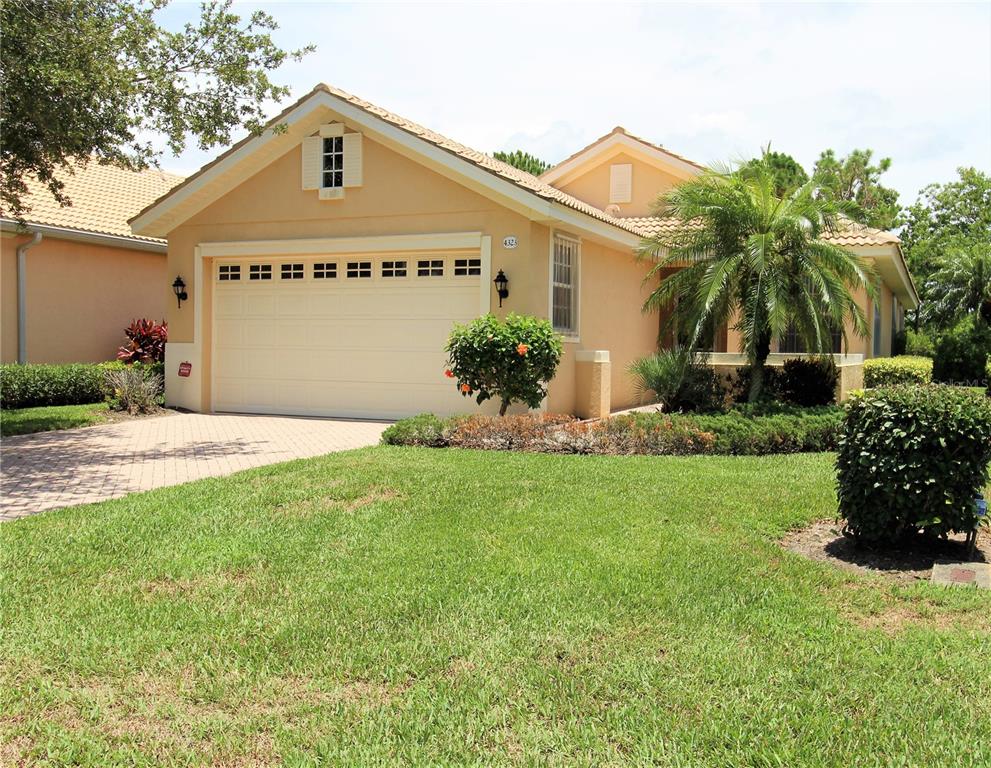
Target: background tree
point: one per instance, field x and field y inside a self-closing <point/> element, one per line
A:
<point x="523" y="160"/>
<point x="743" y="252"/>
<point x="97" y="79"/>
<point x="960" y="288"/>
<point x="855" y="180"/>
<point x="788" y="172"/>
<point x="947" y="217"/>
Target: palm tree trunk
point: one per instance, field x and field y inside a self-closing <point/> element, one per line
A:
<point x="757" y="368"/>
<point x="504" y="407"/>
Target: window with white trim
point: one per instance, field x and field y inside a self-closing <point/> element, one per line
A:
<point x="564" y="284"/>
<point x="430" y="268"/>
<point x="325" y="270"/>
<point x="467" y="267"/>
<point x="333" y="162"/>
<point x="260" y="272"/>
<point x="291" y="272"/>
<point x="393" y="269"/>
<point x="229" y="272"/>
<point x="359" y="269"/>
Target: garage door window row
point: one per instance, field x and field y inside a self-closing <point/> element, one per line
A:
<point x="387" y="269"/>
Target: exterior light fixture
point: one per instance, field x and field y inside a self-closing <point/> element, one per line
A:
<point x="179" y="288"/>
<point x="502" y="286"/>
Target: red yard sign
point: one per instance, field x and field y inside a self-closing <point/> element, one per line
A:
<point x="185" y="369"/>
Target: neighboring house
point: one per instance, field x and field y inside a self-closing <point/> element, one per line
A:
<point x="77" y="276"/>
<point x="325" y="264"/>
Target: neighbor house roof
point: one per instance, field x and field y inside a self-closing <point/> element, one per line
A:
<point x="621" y="131"/>
<point x="103" y="198"/>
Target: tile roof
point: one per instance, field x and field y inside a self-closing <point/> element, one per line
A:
<point x="621" y="130"/>
<point x="522" y="179"/>
<point x="103" y="198"/>
<point x="851" y="234"/>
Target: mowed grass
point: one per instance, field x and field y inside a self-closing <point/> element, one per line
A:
<point x="437" y="607"/>
<point x="24" y="421"/>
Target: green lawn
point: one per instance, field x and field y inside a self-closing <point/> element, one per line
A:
<point x="24" y="421"/>
<point x="437" y="607"/>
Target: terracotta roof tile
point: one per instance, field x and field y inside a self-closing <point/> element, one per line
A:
<point x="103" y="198"/>
<point x="852" y="233"/>
<point x="522" y="179"/>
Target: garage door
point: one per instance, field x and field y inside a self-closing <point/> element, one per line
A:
<point x="355" y="336"/>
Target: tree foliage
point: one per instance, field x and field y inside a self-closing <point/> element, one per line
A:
<point x="97" y="79"/>
<point x="524" y="161"/>
<point x="960" y="287"/>
<point x="743" y="252"/>
<point x="955" y="216"/>
<point x="856" y="180"/>
<point x="788" y="172"/>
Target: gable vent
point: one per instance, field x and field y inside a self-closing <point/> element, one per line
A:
<point x="620" y="183"/>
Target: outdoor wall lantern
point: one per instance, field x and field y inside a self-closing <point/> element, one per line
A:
<point x="502" y="286"/>
<point x="179" y="288"/>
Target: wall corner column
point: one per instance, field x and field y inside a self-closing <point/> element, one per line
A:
<point x="593" y="395"/>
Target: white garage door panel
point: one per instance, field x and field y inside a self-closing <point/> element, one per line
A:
<point x="370" y="347"/>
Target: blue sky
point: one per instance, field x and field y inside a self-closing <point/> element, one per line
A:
<point x="712" y="82"/>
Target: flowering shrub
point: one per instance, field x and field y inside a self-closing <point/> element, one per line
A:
<point x="512" y="360"/>
<point x="146" y="342"/>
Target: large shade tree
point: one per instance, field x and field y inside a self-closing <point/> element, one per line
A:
<point x="111" y="80"/>
<point x="744" y="255"/>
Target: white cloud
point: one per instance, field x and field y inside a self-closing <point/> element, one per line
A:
<point x="713" y="82"/>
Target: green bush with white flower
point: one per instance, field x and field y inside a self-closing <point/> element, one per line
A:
<point x="511" y="360"/>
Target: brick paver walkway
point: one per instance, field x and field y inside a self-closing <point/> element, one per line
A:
<point x="77" y="466"/>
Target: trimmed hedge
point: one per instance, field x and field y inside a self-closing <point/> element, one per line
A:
<point x="913" y="458"/>
<point x="904" y="369"/>
<point x="742" y="432"/>
<point x="28" y="386"/>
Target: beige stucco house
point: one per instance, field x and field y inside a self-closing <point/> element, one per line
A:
<point x="325" y="264"/>
<point x="76" y="276"/>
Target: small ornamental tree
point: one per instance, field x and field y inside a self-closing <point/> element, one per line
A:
<point x="511" y="359"/>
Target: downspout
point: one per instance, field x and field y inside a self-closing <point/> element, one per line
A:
<point x="22" y="292"/>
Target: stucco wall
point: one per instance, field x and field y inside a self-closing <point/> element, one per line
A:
<point x="399" y="197"/>
<point x="592" y="185"/>
<point x="80" y="297"/>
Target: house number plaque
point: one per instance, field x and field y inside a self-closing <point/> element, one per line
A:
<point x="510" y="242"/>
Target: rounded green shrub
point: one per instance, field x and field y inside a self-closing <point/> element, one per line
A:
<point x="808" y="381"/>
<point x="511" y="359"/>
<point x="425" y="429"/>
<point x="905" y="369"/>
<point x="913" y="458"/>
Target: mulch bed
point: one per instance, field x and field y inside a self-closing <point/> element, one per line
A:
<point x="907" y="562"/>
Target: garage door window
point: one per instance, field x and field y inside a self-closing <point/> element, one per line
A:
<point x="359" y="269"/>
<point x="325" y="270"/>
<point x="292" y="272"/>
<point x="229" y="272"/>
<point x="465" y="267"/>
<point x="393" y="269"/>
<point x="260" y="272"/>
<point x="430" y="268"/>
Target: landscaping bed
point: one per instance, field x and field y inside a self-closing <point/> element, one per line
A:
<point x="744" y="431"/>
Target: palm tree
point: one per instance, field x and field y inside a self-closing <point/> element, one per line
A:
<point x="745" y="253"/>
<point x="961" y="286"/>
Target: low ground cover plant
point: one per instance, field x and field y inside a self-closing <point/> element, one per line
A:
<point x="511" y="360"/>
<point x="748" y="431"/>
<point x="913" y="459"/>
<point x="904" y="369"/>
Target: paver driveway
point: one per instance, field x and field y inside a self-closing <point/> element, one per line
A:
<point x="77" y="466"/>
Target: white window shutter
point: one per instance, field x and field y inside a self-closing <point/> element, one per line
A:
<point x="312" y="159"/>
<point x="620" y="183"/>
<point x="352" y="159"/>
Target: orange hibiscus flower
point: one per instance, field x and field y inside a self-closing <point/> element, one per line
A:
<point x="522" y="349"/>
